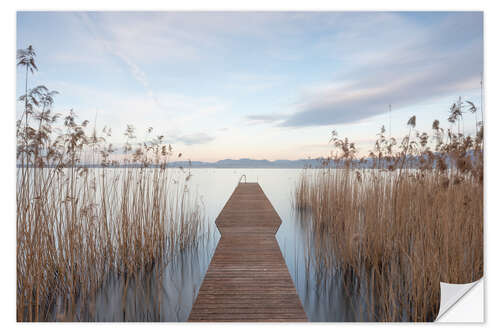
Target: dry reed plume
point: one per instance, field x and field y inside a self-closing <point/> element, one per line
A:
<point x="79" y="225"/>
<point x="401" y="221"/>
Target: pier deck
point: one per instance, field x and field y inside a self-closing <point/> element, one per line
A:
<point x="247" y="279"/>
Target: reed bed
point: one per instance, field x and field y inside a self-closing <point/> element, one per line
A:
<point x="394" y="225"/>
<point x="85" y="218"/>
<point x="77" y="227"/>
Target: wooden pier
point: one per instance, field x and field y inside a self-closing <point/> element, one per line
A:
<point x="247" y="279"/>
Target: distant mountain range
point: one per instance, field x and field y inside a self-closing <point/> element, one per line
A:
<point x="248" y="163"/>
<point x="243" y="163"/>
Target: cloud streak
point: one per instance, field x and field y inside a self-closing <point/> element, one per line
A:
<point x="192" y="139"/>
<point x="113" y="47"/>
<point x="257" y="119"/>
<point x="193" y="75"/>
<point x="416" y="66"/>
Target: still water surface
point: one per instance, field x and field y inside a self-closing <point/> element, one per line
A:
<point x="323" y="294"/>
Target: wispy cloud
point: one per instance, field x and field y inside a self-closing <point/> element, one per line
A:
<point x="117" y="111"/>
<point x="410" y="67"/>
<point x="257" y="119"/>
<point x="193" y="75"/>
<point x="192" y="139"/>
<point x="110" y="45"/>
<point x="171" y="113"/>
<point x="181" y="36"/>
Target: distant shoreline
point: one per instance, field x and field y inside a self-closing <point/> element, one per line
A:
<point x="246" y="163"/>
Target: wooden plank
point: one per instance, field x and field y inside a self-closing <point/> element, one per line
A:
<point x="247" y="279"/>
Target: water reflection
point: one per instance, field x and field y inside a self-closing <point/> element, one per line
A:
<point x="166" y="293"/>
<point x="169" y="292"/>
<point x="326" y="294"/>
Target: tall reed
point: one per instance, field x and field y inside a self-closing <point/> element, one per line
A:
<point x="401" y="221"/>
<point x="83" y="217"/>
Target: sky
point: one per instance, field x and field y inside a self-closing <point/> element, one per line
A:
<point x="261" y="85"/>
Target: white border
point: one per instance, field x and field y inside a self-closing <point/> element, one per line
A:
<point x="7" y="199"/>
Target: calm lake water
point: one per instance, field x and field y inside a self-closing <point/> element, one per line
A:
<point x="322" y="295"/>
<point x="170" y="294"/>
